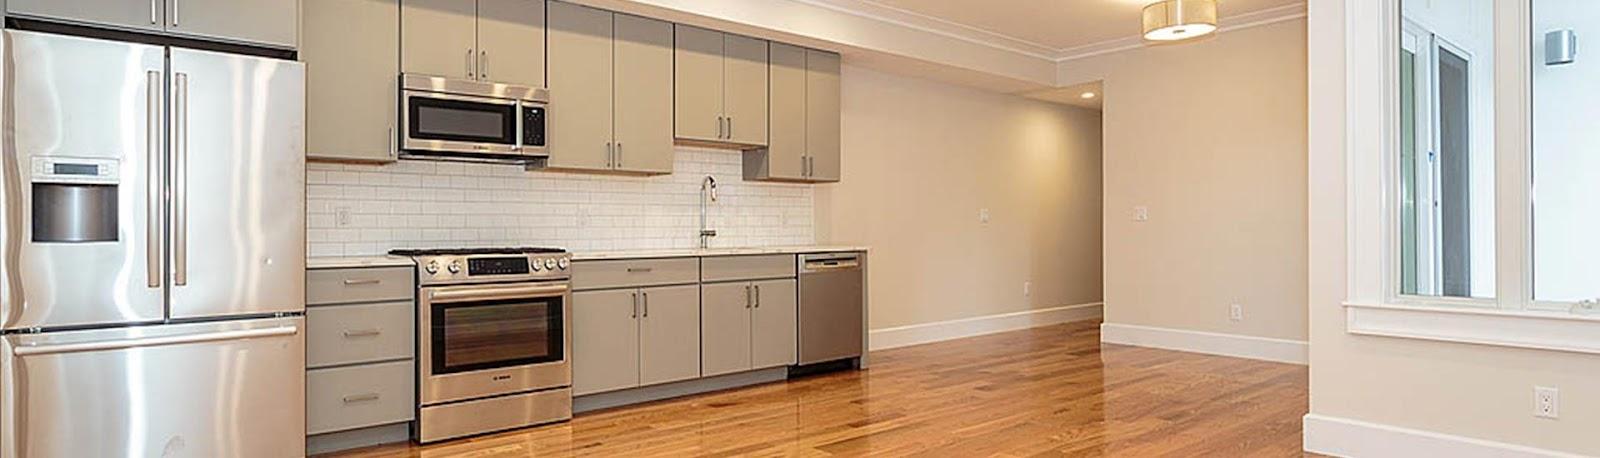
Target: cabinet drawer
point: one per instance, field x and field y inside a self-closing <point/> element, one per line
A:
<point x="337" y="286"/>
<point x="634" y="272"/>
<point x="345" y="398"/>
<point x="359" y="333"/>
<point x="731" y="268"/>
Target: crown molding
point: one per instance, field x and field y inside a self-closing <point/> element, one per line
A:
<point x="1226" y="24"/>
<point x="924" y="23"/>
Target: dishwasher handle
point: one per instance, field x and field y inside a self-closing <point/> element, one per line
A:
<point x="831" y="263"/>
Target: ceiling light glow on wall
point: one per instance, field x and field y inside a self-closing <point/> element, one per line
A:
<point x="1087" y="95"/>
<point x="1174" y="20"/>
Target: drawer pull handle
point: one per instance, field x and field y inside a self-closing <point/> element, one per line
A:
<point x="639" y="270"/>
<point x="354" y="398"/>
<point x="368" y="281"/>
<point x="348" y="333"/>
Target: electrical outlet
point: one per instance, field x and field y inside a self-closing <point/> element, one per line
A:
<point x="1546" y="402"/>
<point x="1027" y="289"/>
<point x="1141" y="214"/>
<point x="342" y="217"/>
<point x="983" y="215"/>
<point x="1236" y="312"/>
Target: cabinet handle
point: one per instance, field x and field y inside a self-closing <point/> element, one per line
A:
<point x="635" y="313"/>
<point x="154" y="12"/>
<point x="363" y="281"/>
<point x="470" y="65"/>
<point x="394" y="150"/>
<point x="611" y="157"/>
<point x="354" y="398"/>
<point x="483" y="65"/>
<point x="174" y="13"/>
<point x="619" y="154"/>
<point x="353" y="333"/>
<point x="646" y="297"/>
<point x="640" y="270"/>
<point x="758" y="296"/>
<point x="749" y="301"/>
<point x="730" y="127"/>
<point x="719" y="126"/>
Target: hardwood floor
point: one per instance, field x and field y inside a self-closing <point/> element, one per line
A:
<point x="1051" y="391"/>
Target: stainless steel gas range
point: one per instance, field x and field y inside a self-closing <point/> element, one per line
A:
<point x="493" y="336"/>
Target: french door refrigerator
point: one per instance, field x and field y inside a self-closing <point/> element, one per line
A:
<point x="152" y="251"/>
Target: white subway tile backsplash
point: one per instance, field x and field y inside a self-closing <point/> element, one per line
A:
<point x="419" y="204"/>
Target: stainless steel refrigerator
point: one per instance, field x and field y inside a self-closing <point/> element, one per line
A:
<point x="152" y="251"/>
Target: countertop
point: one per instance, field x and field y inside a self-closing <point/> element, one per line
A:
<point x="347" y="262"/>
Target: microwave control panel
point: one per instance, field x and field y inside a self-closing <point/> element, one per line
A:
<point x="533" y="119"/>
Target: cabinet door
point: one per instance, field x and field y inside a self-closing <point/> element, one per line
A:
<point x="126" y="14"/>
<point x="439" y="37"/>
<point x="605" y="341"/>
<point x="773" y="325"/>
<point x="786" y="146"/>
<point x="669" y="334"/>
<point x="643" y="87"/>
<point x="822" y="114"/>
<point x="697" y="83"/>
<point x="725" y="328"/>
<point x="745" y="89"/>
<point x="352" y="53"/>
<point x="268" y="22"/>
<point x="580" y="87"/>
<point x="511" y="41"/>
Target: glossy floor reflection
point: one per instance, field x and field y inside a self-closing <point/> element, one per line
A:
<point x="1052" y="391"/>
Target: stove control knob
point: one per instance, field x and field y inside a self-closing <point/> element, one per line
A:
<point x="550" y="264"/>
<point x="455" y="267"/>
<point x="563" y="263"/>
<point x="537" y="265"/>
<point x="432" y="267"/>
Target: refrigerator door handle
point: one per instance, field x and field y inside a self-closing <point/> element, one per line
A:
<point x="152" y="216"/>
<point x="117" y="344"/>
<point x="180" y="180"/>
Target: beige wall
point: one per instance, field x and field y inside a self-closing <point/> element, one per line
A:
<point x="1473" y="391"/>
<point x="922" y="158"/>
<point x="1211" y="137"/>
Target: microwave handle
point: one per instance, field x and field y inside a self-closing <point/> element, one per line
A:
<point x="521" y="112"/>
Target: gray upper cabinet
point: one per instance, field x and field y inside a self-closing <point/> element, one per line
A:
<point x="352" y="53"/>
<point x="611" y="81"/>
<point x="805" y="119"/>
<point x="261" y="22"/>
<point x="487" y="40"/>
<point x="720" y="87"/>
<point x="822" y="115"/>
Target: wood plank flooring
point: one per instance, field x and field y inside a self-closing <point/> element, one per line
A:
<point x="1051" y="391"/>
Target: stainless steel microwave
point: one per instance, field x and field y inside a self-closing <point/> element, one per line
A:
<point x="446" y="119"/>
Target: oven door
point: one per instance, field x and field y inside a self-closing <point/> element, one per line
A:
<point x="460" y="123"/>
<point x="488" y="340"/>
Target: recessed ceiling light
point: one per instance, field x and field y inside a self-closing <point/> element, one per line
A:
<point x="1087" y="95"/>
<point x="1174" y="20"/>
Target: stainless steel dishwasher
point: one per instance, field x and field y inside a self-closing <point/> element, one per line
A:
<point x="831" y="315"/>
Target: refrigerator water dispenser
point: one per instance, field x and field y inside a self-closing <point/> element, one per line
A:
<point x="74" y="200"/>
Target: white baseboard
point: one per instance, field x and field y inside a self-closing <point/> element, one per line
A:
<point x="882" y="339"/>
<point x="1262" y="348"/>
<point x="1354" y="438"/>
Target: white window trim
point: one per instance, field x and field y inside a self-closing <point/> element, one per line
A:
<point x="1374" y="305"/>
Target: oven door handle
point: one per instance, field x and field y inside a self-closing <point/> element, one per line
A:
<point x="490" y="293"/>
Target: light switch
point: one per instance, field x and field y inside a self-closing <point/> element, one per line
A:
<point x="1141" y="214"/>
<point x="983" y="216"/>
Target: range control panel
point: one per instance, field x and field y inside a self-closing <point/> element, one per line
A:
<point x="447" y="269"/>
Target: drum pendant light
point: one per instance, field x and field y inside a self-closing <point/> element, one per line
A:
<point x="1174" y="20"/>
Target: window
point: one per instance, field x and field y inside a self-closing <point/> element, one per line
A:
<point x="1444" y="166"/>
<point x="1565" y="152"/>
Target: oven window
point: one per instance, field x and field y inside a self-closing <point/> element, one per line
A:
<point x="462" y="121"/>
<point x="486" y="335"/>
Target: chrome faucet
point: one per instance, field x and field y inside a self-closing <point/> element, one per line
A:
<point x="708" y="194"/>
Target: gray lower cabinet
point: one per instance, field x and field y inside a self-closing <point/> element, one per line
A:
<point x="261" y="22"/>
<point x="344" y="398"/>
<point x="747" y="325"/>
<point x="352" y="53"/>
<point x="626" y="338"/>
<point x="360" y="348"/>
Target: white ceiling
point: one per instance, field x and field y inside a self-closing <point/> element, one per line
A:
<point x="1050" y="27"/>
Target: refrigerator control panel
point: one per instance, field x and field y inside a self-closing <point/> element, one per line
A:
<point x="75" y="170"/>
